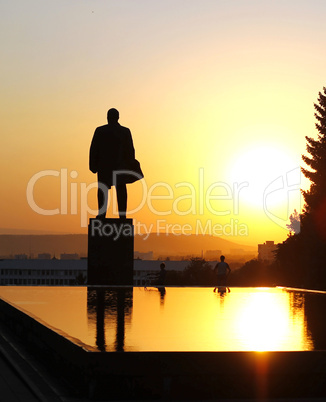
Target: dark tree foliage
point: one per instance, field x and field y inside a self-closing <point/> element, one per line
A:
<point x="316" y="162"/>
<point x="174" y="278"/>
<point x="303" y="255"/>
<point x="80" y="279"/>
<point x="253" y="273"/>
<point x="294" y="225"/>
<point x="199" y="273"/>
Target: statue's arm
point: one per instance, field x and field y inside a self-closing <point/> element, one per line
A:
<point x="94" y="153"/>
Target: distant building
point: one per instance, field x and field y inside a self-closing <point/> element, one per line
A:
<point x="266" y="251"/>
<point x="42" y="272"/>
<point x="56" y="272"/>
<point x="213" y="255"/>
<point x="143" y="256"/>
<point x="20" y="256"/>
<point x="44" y="256"/>
<point x="237" y="251"/>
<point x="65" y="256"/>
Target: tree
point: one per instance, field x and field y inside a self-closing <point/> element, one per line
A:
<point x="199" y="273"/>
<point x="314" y="214"/>
<point x="80" y="279"/>
<point x="254" y="273"/>
<point x="303" y="255"/>
<point x="317" y="159"/>
<point x="294" y="225"/>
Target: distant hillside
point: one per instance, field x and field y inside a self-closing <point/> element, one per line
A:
<point x="160" y="244"/>
<point x="35" y="244"/>
<point x="186" y="245"/>
<point x="15" y="231"/>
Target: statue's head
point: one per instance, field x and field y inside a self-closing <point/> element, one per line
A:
<point x="113" y="115"/>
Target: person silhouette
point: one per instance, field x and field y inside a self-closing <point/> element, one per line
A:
<point x="161" y="276"/>
<point x="223" y="271"/>
<point x="111" y="151"/>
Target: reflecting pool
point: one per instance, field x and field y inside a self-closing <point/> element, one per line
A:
<point x="178" y="319"/>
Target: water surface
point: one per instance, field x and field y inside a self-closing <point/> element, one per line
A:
<point x="178" y="319"/>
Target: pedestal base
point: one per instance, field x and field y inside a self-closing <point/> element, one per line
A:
<point x="110" y="252"/>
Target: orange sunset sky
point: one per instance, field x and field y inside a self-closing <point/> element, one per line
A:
<point x="218" y="96"/>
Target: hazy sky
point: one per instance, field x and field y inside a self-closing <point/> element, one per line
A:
<point x="213" y="91"/>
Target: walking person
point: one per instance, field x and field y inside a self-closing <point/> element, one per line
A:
<point x="223" y="271"/>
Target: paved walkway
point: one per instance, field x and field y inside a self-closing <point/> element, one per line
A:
<point x="20" y="379"/>
<point x="12" y="387"/>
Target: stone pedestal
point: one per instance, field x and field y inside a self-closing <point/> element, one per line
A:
<point x="110" y="252"/>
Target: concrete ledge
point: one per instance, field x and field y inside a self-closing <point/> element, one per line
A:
<point x="170" y="375"/>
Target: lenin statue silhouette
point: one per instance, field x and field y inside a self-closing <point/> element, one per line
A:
<point x="112" y="157"/>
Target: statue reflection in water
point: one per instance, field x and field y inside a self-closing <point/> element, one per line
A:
<point x="107" y="306"/>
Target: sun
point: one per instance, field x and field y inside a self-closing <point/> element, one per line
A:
<point x="266" y="171"/>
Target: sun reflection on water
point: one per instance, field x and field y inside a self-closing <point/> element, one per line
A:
<point x="267" y="321"/>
